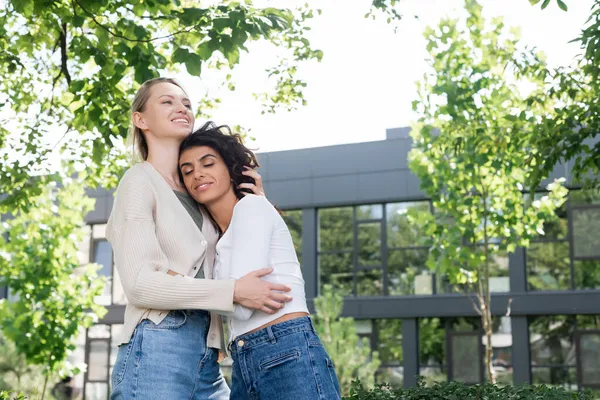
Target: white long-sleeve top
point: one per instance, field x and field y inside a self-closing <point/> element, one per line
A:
<point x="258" y="237"/>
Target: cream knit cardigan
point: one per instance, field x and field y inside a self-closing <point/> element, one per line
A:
<point x="150" y="233"/>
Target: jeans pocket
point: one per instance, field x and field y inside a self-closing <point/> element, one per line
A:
<point x="174" y="319"/>
<point x="123" y="356"/>
<point x="280" y="359"/>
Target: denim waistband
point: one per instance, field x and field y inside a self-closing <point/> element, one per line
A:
<point x="191" y="313"/>
<point x="271" y="333"/>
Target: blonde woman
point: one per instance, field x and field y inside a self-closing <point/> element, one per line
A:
<point x="164" y="250"/>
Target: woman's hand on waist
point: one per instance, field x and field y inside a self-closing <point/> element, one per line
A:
<point x="252" y="292"/>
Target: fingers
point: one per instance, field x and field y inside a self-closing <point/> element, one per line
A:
<point x="274" y="305"/>
<point x="261" y="272"/>
<point x="252" y="187"/>
<point x="257" y="188"/>
<point x="267" y="310"/>
<point x="280" y="297"/>
<point x="251" y="172"/>
<point x="279" y="287"/>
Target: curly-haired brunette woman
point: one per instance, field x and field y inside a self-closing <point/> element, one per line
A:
<point x="276" y="356"/>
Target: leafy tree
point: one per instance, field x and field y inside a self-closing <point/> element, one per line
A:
<point x="570" y="133"/>
<point x="352" y="356"/>
<point x="73" y="66"/>
<point x="470" y="154"/>
<point x="52" y="295"/>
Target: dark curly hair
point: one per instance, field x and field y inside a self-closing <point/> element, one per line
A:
<point x="230" y="147"/>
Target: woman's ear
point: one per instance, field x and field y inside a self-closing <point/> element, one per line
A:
<point x="139" y="121"/>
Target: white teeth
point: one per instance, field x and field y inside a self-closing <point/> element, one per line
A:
<point x="180" y="120"/>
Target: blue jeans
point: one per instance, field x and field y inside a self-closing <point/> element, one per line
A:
<point x="169" y="361"/>
<point x="282" y="361"/>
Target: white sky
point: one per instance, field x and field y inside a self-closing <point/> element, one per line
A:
<point x="366" y="81"/>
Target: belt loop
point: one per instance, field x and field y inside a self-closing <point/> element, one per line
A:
<point x="271" y="335"/>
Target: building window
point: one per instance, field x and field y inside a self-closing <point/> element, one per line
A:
<point x="432" y="350"/>
<point x="373" y="250"/>
<point x="102" y="254"/>
<point x="407" y="251"/>
<point x="336" y="249"/>
<point x="565" y="350"/>
<point x="389" y="346"/>
<point x="293" y="220"/>
<point x="567" y="255"/>
<point x="553" y="358"/>
<point x="101" y="349"/>
<point x="547" y="258"/>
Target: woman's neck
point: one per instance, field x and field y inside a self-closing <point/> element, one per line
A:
<point x="222" y="210"/>
<point x="164" y="157"/>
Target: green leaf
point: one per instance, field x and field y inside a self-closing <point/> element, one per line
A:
<point x="193" y="64"/>
<point x="545" y="4"/>
<point x="562" y="5"/>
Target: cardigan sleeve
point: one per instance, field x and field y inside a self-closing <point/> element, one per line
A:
<point x="142" y="264"/>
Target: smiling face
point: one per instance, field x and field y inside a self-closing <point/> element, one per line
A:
<point x="205" y="174"/>
<point x="167" y="113"/>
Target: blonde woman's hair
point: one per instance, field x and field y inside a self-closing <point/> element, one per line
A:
<point x="136" y="137"/>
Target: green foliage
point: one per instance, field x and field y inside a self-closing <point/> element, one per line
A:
<point x="560" y="3"/>
<point x="52" y="295"/>
<point x="471" y="155"/>
<point x="351" y="356"/>
<point x="455" y="391"/>
<point x="15" y="373"/>
<point x="73" y="67"/>
<point x="570" y="133"/>
<point x="6" y="395"/>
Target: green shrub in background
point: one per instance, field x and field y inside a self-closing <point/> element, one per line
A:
<point x="460" y="391"/>
<point x="4" y="395"/>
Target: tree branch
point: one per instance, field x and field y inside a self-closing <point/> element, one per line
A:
<point x="117" y="35"/>
<point x="63" y="54"/>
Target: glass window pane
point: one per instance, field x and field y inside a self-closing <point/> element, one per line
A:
<point x="499" y="279"/>
<point x="336" y="229"/>
<point x="551" y="341"/>
<point x="557" y="228"/>
<point x="408" y="273"/>
<point x="372" y="211"/>
<point x="338" y="271"/>
<point x="392" y="376"/>
<point x="98" y="360"/>
<point x="586" y="223"/>
<point x="432" y="354"/>
<point x="588" y="322"/>
<point x="466" y="363"/>
<point x="99" y="332"/>
<point x="582" y="197"/>
<point x="369" y="282"/>
<point x="590" y="358"/>
<point x="401" y="233"/>
<point x="587" y="274"/>
<point x="96" y="391"/>
<point x="548" y="266"/>
<point x="556" y="376"/>
<point x="389" y="346"/>
<point x="293" y="220"/>
<point x="502" y="347"/>
<point x="369" y="244"/>
<point x="104" y="257"/>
